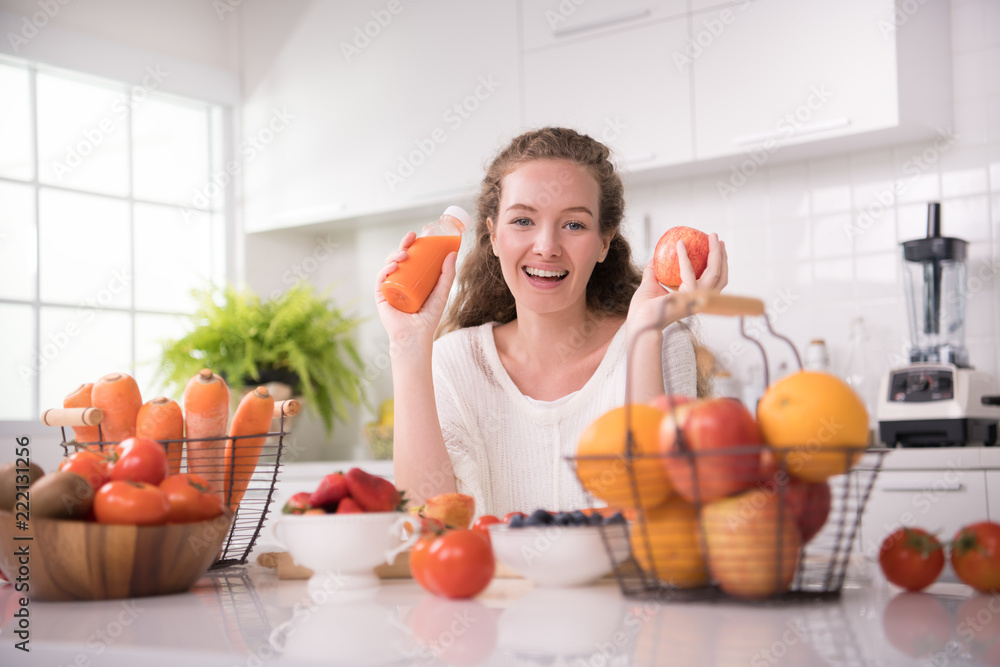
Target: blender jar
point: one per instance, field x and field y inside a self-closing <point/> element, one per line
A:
<point x="934" y="275"/>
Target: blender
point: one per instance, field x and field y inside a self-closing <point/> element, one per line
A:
<point x="938" y="399"/>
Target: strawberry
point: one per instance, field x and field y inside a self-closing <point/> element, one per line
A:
<point x="373" y="494"/>
<point x="330" y="491"/>
<point x="297" y="504"/>
<point x="348" y="506"/>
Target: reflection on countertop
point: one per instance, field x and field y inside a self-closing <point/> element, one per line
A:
<point x="245" y="616"/>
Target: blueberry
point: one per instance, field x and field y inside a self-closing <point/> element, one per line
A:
<point x="516" y="521"/>
<point x="579" y="518"/>
<point x="564" y="519"/>
<point x="595" y="519"/>
<point x="542" y="517"/>
<point x="616" y="519"/>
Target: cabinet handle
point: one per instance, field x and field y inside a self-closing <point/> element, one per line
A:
<point x="808" y="128"/>
<point x="911" y="487"/>
<point x="600" y="23"/>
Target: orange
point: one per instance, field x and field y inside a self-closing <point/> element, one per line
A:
<point x="674" y="542"/>
<point x="815" y="422"/>
<point x="614" y="477"/>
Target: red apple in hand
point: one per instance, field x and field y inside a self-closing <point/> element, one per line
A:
<point x="665" y="262"/>
<point x="722" y="438"/>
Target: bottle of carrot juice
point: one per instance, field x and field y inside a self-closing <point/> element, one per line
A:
<point x="408" y="286"/>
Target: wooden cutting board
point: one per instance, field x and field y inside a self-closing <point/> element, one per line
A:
<point x="282" y="562"/>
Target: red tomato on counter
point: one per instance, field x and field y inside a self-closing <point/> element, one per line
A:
<point x="911" y="558"/>
<point x="457" y="564"/>
<point x="975" y="555"/>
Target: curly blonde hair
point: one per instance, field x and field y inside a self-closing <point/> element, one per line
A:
<point x="483" y="295"/>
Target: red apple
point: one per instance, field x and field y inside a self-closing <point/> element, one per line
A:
<point x="808" y="503"/>
<point x="666" y="403"/>
<point x="719" y="456"/>
<point x="665" y="262"/>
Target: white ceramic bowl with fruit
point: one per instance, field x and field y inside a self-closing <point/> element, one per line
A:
<point x="560" y="556"/>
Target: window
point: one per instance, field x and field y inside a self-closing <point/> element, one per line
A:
<point x="106" y="225"/>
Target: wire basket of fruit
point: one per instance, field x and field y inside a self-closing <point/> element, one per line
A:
<point x="189" y="461"/>
<point x="728" y="504"/>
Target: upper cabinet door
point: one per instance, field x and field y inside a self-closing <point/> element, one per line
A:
<point x="391" y="103"/>
<point x="548" y="22"/>
<point x="775" y="72"/>
<point x="623" y="88"/>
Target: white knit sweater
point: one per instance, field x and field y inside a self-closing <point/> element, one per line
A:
<point x="507" y="452"/>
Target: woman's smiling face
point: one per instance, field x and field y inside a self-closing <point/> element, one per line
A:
<point x="547" y="233"/>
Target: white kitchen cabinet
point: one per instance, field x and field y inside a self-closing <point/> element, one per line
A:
<point x="621" y="88"/>
<point x="392" y="103"/>
<point x="993" y="499"/>
<point x="551" y="22"/>
<point x="772" y="73"/>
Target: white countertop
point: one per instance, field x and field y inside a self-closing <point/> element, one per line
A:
<point x="245" y="616"/>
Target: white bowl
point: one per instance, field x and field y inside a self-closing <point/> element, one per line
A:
<point x="345" y="548"/>
<point x="559" y="556"/>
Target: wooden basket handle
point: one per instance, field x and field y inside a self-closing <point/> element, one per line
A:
<point x="714" y="303"/>
<point x="288" y="408"/>
<point x="72" y="417"/>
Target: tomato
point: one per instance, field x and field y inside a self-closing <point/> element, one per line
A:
<point x="92" y="466"/>
<point x="134" y="503"/>
<point x="911" y="558"/>
<point x="191" y="498"/>
<point x="297" y="504"/>
<point x="139" y="460"/>
<point x="510" y="515"/>
<point x="457" y="564"/>
<point x="483" y="522"/>
<point x="975" y="555"/>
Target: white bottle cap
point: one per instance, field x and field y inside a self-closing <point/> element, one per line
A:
<point x="459" y="214"/>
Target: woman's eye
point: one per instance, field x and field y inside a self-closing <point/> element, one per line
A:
<point x="575" y="226"/>
<point x="520" y="222"/>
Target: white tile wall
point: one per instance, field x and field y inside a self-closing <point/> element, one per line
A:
<point x="818" y="240"/>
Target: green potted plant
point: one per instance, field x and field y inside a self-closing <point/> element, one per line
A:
<point x="299" y="338"/>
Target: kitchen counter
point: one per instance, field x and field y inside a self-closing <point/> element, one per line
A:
<point x="246" y="616"/>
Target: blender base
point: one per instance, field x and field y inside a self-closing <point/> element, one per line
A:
<point x="938" y="432"/>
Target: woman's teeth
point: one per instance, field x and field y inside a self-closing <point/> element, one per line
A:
<point x="539" y="273"/>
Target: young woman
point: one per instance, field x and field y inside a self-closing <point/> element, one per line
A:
<point x="535" y="341"/>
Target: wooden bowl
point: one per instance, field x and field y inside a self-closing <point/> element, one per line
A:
<point x="83" y="560"/>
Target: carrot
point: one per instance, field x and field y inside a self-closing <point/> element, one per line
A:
<point x="117" y="396"/>
<point x="253" y="416"/>
<point x="206" y="413"/>
<point x="162" y="419"/>
<point x="80" y="398"/>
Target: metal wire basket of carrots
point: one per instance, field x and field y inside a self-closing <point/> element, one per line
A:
<point x="243" y="468"/>
<point x="746" y="516"/>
